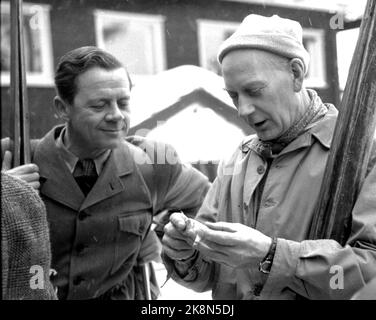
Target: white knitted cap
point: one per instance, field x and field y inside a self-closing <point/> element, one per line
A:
<point x="275" y="34"/>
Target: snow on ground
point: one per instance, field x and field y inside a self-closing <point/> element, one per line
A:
<point x="173" y="291"/>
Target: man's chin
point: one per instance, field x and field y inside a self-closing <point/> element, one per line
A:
<point x="112" y="143"/>
<point x="115" y="144"/>
<point x="264" y="136"/>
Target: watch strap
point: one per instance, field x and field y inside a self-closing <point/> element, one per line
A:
<point x="266" y="264"/>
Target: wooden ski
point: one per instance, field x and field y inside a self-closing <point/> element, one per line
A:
<point x="20" y="126"/>
<point x="352" y="141"/>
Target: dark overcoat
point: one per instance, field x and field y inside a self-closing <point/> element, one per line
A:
<point x="96" y="240"/>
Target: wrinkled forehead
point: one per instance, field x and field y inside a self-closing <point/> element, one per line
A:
<point x="102" y="79"/>
<point x="252" y="57"/>
<point x="101" y="84"/>
<point x="253" y="62"/>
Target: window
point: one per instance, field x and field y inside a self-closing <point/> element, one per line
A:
<point x="313" y="41"/>
<point x="346" y="43"/>
<point x="212" y="33"/>
<point x="137" y="40"/>
<point x="37" y="44"/>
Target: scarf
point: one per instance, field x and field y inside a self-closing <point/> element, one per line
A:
<point x="270" y="149"/>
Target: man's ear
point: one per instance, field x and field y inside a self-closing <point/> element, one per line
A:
<point x="297" y="69"/>
<point x="62" y="108"/>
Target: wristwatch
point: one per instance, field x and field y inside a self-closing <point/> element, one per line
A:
<point x="266" y="264"/>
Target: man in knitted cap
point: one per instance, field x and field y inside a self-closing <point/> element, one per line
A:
<point x="249" y="239"/>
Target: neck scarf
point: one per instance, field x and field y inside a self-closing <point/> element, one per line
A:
<point x="269" y="149"/>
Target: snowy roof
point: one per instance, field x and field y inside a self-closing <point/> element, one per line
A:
<point x="350" y="8"/>
<point x="153" y="94"/>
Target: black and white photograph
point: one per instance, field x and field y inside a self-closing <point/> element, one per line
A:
<point x="180" y="153"/>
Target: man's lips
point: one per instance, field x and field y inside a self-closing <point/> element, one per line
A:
<point x="112" y="132"/>
<point x="259" y="124"/>
<point x="112" y="129"/>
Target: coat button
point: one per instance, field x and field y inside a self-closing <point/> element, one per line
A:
<point x="77" y="280"/>
<point x="245" y="148"/>
<point x="83" y="215"/>
<point x="269" y="203"/>
<point x="260" y="169"/>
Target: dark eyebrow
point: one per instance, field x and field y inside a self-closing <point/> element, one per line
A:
<point x="250" y="84"/>
<point x="125" y="98"/>
<point x="97" y="100"/>
<point x="106" y="100"/>
<point x="256" y="83"/>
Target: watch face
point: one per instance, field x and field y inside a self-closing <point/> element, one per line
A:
<point x="265" y="266"/>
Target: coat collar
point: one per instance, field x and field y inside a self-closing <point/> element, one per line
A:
<point x="322" y="130"/>
<point x="71" y="159"/>
<point x="59" y="183"/>
<point x="119" y="164"/>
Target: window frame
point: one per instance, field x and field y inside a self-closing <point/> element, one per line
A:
<point x="45" y="78"/>
<point x="158" y="26"/>
<point x="217" y="25"/>
<point x="317" y="54"/>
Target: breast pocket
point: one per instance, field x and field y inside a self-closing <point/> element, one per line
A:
<point x="130" y="233"/>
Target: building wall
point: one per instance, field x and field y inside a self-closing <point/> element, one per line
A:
<point x="72" y="25"/>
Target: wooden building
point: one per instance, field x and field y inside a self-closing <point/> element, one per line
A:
<point x="150" y="36"/>
<point x="195" y="115"/>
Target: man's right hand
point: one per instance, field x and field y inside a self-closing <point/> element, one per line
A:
<point x="27" y="172"/>
<point x="175" y="243"/>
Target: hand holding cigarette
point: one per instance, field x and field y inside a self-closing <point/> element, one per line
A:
<point x="192" y="229"/>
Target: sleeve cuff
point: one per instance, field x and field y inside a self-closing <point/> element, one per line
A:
<point x="193" y="267"/>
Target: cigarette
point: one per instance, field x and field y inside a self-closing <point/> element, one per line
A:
<point x="197" y="240"/>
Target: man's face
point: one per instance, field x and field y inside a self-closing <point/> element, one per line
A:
<point x="262" y="91"/>
<point x="99" y="116"/>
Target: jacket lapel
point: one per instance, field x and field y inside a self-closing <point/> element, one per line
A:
<point x="57" y="181"/>
<point x="109" y="182"/>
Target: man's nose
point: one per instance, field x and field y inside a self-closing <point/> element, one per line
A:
<point x="115" y="114"/>
<point x="245" y="107"/>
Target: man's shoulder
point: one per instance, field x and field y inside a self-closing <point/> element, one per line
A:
<point x="7" y="143"/>
<point x="143" y="142"/>
<point x="47" y="141"/>
<point x="153" y="148"/>
<point x="245" y="144"/>
<point x="248" y="139"/>
<point x="228" y="162"/>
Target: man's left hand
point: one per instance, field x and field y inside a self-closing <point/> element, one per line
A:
<point x="233" y="244"/>
<point x="27" y="172"/>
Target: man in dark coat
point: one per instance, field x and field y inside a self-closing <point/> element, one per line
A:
<point x="100" y="188"/>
